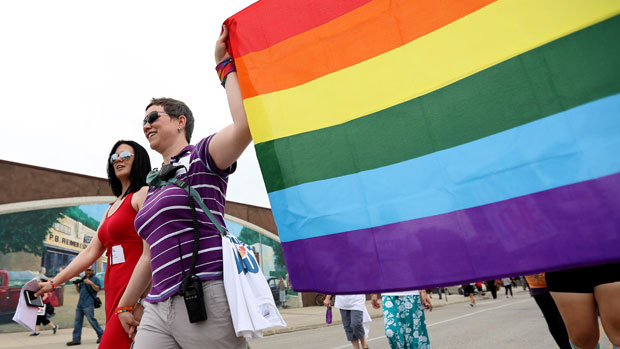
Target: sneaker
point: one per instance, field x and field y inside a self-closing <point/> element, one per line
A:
<point x="73" y="343"/>
<point x="98" y="340"/>
<point x="54" y="329"/>
<point x="34" y="334"/>
<point x="472" y="305"/>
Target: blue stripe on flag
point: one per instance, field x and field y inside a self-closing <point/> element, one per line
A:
<point x="576" y="145"/>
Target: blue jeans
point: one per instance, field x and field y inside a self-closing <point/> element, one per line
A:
<point x="79" y="320"/>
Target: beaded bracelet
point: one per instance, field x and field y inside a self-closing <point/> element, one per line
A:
<point x="53" y="285"/>
<point x="122" y="310"/>
<point x="224" y="68"/>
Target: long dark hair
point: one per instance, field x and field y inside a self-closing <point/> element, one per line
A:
<point x="140" y="168"/>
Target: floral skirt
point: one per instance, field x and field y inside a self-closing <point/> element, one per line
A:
<point x="405" y="324"/>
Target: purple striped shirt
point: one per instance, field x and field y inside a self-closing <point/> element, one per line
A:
<point x="165" y="218"/>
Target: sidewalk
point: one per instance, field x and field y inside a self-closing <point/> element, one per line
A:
<point x="297" y="319"/>
<point x="314" y="317"/>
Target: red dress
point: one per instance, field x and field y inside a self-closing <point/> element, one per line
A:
<point x="118" y="229"/>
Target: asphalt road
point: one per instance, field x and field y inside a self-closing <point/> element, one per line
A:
<point x="502" y="323"/>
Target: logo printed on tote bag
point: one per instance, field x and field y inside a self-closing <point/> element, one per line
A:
<point x="246" y="261"/>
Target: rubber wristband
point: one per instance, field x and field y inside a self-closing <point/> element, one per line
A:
<point x="53" y="285"/>
<point x="122" y="310"/>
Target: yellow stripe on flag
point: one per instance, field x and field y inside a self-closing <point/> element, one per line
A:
<point x="484" y="38"/>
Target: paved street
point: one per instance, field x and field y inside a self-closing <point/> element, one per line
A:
<point x="502" y="323"/>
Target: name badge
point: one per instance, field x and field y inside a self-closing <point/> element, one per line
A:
<point x="118" y="256"/>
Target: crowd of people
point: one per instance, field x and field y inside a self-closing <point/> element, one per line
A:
<point x="147" y="234"/>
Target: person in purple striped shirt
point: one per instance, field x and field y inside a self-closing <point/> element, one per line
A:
<point x="165" y="224"/>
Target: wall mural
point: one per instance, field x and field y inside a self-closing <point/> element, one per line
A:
<point x="39" y="244"/>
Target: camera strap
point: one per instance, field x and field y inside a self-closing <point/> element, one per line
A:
<point x="88" y="290"/>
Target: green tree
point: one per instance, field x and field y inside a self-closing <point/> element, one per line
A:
<point x="26" y="231"/>
<point x="76" y="213"/>
<point x="251" y="237"/>
<point x="248" y="236"/>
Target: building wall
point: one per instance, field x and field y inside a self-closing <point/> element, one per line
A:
<point x="20" y="261"/>
<point x="39" y="183"/>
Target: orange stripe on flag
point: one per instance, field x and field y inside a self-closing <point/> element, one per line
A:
<point x="368" y="31"/>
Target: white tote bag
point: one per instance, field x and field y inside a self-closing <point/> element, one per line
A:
<point x="251" y="303"/>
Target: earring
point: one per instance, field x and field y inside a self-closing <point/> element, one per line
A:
<point x="179" y="128"/>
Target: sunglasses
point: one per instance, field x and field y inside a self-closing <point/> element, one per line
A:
<point x="152" y="117"/>
<point x="124" y="155"/>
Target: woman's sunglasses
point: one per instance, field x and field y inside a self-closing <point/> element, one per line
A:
<point x="152" y="117"/>
<point x="124" y="155"/>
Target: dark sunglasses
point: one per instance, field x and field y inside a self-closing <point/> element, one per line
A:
<point x="152" y="117"/>
<point x="124" y="155"/>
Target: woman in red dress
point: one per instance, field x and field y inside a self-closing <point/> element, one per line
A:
<point x="128" y="166"/>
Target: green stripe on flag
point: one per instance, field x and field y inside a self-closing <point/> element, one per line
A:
<point x="573" y="70"/>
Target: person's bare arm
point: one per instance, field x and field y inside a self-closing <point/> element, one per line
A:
<point x="138" y="286"/>
<point x="228" y="144"/>
<point x="137" y="200"/>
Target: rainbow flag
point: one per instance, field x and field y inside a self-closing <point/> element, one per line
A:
<point x="411" y="144"/>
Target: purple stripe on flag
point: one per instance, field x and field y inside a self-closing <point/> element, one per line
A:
<point x="570" y="226"/>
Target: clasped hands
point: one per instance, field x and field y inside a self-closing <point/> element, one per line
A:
<point x="131" y="320"/>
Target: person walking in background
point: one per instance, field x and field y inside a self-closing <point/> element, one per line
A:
<point x="524" y="282"/>
<point x="127" y="167"/>
<point x="507" y="283"/>
<point x="468" y="291"/>
<point x="354" y="317"/>
<point x="538" y="290"/>
<point x="87" y="288"/>
<point x="404" y="319"/>
<point x="47" y="313"/>
<point x="492" y="287"/>
<point x="480" y="288"/>
<point x="282" y="289"/>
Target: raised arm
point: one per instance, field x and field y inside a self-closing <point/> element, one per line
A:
<point x="228" y="144"/>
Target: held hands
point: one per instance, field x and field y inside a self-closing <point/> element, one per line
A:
<point x="221" y="51"/>
<point x="129" y="322"/>
<point x="138" y="311"/>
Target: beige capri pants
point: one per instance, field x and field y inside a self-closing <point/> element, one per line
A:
<point x="166" y="324"/>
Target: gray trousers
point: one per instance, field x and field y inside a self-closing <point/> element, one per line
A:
<point x="166" y="324"/>
<point x="353" y="322"/>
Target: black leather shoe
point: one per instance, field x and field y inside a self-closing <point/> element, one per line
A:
<point x="98" y="340"/>
<point x="73" y="343"/>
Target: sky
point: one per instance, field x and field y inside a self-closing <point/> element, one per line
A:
<point x="75" y="77"/>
